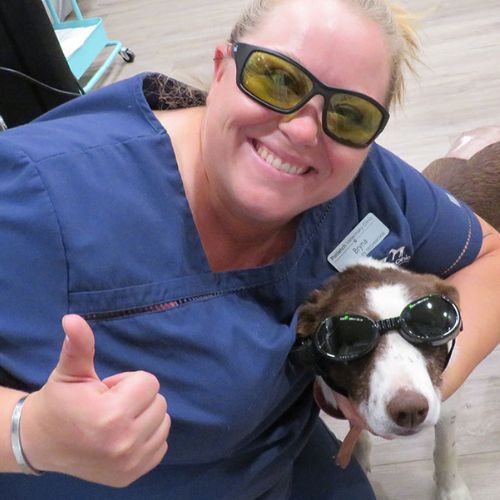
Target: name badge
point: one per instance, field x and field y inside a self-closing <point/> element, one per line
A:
<point x="359" y="242"/>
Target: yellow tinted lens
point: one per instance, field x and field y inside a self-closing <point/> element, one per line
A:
<point x="353" y="118"/>
<point x="274" y="80"/>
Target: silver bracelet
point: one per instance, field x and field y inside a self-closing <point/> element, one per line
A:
<point x="15" y="436"/>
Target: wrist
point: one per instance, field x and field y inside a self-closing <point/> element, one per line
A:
<point x="16" y="440"/>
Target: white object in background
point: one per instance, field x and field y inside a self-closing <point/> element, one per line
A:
<point x="71" y="39"/>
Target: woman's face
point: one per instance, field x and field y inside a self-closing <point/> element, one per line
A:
<point x="267" y="167"/>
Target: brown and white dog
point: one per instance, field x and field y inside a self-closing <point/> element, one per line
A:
<point x="394" y="390"/>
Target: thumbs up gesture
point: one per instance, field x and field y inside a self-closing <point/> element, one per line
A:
<point x="109" y="431"/>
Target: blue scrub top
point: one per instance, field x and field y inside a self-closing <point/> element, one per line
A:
<point x="94" y="220"/>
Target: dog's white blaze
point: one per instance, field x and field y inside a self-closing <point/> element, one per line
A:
<point x="388" y="300"/>
<point x="377" y="264"/>
<point x="399" y="366"/>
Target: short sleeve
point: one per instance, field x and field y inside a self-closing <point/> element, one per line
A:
<point x="33" y="282"/>
<point x="445" y="234"/>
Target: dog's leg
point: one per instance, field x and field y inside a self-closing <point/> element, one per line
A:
<point x="449" y="483"/>
<point x="363" y="449"/>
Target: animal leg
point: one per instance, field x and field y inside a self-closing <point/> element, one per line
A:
<point x="362" y="450"/>
<point x="449" y="483"/>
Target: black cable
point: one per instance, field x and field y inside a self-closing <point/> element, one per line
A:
<point x="41" y="84"/>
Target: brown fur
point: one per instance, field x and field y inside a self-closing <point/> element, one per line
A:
<point x="475" y="181"/>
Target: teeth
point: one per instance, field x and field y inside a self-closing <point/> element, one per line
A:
<point x="279" y="164"/>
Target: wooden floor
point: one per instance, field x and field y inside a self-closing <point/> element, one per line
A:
<point x="458" y="89"/>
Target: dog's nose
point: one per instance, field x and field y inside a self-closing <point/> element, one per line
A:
<point x="408" y="408"/>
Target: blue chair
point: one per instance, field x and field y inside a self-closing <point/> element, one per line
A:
<point x="82" y="40"/>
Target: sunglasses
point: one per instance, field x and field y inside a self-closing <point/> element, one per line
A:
<point x="281" y="84"/>
<point x="432" y="320"/>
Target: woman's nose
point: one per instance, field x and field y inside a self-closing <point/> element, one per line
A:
<point x="304" y="127"/>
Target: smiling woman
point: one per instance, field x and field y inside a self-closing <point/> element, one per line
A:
<point x="218" y="214"/>
<point x="251" y="204"/>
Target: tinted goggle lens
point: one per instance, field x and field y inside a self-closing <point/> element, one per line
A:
<point x="284" y="86"/>
<point x="431" y="319"/>
<point x="346" y="337"/>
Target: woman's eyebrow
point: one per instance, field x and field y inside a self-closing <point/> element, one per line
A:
<point x="287" y="53"/>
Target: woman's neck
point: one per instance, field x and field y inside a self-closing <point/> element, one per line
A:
<point x="230" y="241"/>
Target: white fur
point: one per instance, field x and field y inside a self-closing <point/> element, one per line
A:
<point x="449" y="483"/>
<point x="371" y="262"/>
<point x="399" y="366"/>
<point x="388" y="300"/>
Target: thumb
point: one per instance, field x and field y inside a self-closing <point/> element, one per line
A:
<point x="76" y="360"/>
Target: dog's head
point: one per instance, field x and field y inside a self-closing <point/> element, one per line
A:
<point x="395" y="387"/>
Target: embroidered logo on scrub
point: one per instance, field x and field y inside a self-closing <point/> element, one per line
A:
<point x="359" y="242"/>
<point x="397" y="256"/>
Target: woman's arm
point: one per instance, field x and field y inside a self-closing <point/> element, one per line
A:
<point x="479" y="288"/>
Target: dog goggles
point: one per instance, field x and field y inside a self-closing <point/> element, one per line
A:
<point x="281" y="84"/>
<point x="431" y="320"/>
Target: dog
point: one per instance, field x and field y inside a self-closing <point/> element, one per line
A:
<point x="471" y="170"/>
<point x="394" y="390"/>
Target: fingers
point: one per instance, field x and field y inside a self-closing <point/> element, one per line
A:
<point x="134" y="392"/>
<point x="143" y="446"/>
<point x="76" y="361"/>
<point x="153" y="418"/>
<point x="158" y="445"/>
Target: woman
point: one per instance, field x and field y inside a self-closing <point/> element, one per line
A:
<point x="187" y="238"/>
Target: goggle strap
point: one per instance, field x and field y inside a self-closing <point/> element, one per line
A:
<point x="450" y="352"/>
<point x="302" y="353"/>
<point x="333" y="385"/>
<point x="384" y="325"/>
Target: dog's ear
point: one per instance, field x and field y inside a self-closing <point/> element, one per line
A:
<point x="308" y="315"/>
<point x="316" y="308"/>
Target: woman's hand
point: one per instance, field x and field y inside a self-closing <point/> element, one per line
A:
<point x="109" y="431"/>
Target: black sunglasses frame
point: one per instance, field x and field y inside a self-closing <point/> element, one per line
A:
<point x="241" y="53"/>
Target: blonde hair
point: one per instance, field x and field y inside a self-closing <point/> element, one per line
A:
<point x="396" y="22"/>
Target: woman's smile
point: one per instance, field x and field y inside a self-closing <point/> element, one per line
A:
<point x="280" y="164"/>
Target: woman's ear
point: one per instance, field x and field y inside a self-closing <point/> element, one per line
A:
<point x="220" y="54"/>
<point x="221" y="51"/>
